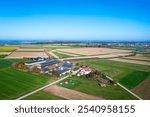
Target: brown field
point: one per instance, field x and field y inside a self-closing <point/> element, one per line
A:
<point x="139" y="58"/>
<point x="99" y="56"/>
<point x="70" y="94"/>
<point x="26" y="55"/>
<point x="131" y="61"/>
<point x="30" y="49"/>
<point x="5" y="53"/>
<point x="92" y="51"/>
<point x="143" y="90"/>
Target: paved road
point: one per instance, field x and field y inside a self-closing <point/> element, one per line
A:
<point x="24" y="96"/>
<point x="126" y="89"/>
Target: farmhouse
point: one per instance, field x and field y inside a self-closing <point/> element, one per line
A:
<point x="84" y="71"/>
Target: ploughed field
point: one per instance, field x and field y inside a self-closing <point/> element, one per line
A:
<point x="26" y="55"/>
<point x="93" y="51"/>
<point x="14" y="83"/>
<point x="42" y="95"/>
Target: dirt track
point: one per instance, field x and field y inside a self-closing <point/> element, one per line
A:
<point x="131" y="61"/>
<point x="70" y="94"/>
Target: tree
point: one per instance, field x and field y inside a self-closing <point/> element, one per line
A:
<point x="36" y="70"/>
<point x="20" y="66"/>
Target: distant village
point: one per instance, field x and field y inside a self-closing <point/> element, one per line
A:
<point x="57" y="69"/>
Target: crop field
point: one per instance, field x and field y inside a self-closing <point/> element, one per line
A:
<point x="14" y="83"/>
<point x="130" y="75"/>
<point x="29" y="50"/>
<point x="138" y="58"/>
<point x="143" y="89"/>
<point x="26" y="55"/>
<point x="42" y="95"/>
<point x="8" y="48"/>
<point x="144" y="62"/>
<point x="70" y="94"/>
<point x="3" y="56"/>
<point x="93" y="51"/>
<point x="60" y="55"/>
<point x="91" y="87"/>
<point x="51" y="46"/>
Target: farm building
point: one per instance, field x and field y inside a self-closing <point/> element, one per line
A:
<point x="63" y="71"/>
<point x="84" y="71"/>
<point x="50" y="62"/>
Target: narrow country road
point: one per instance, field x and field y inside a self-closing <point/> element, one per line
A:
<point x="126" y="89"/>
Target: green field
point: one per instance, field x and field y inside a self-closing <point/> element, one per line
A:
<point x="60" y="55"/>
<point x="136" y="59"/>
<point x="8" y="48"/>
<point x="3" y="56"/>
<point x="14" y="83"/>
<point x="130" y="75"/>
<point x="51" y="46"/>
<point x="4" y="63"/>
<point x="41" y="95"/>
<point x="91" y="87"/>
<point x="72" y="83"/>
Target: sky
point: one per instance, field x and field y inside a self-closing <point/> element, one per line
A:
<point x="75" y="19"/>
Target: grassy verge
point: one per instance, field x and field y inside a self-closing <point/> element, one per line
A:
<point x="3" y="56"/>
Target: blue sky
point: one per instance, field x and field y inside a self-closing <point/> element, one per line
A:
<point x="75" y="19"/>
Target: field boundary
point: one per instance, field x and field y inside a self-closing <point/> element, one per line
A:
<point x="126" y="89"/>
<point x="35" y="91"/>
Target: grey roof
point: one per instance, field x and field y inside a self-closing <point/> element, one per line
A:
<point x="45" y="69"/>
<point x="50" y="62"/>
<point x="66" y="64"/>
<point x="62" y="71"/>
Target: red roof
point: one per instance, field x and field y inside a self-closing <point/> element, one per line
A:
<point x="87" y="69"/>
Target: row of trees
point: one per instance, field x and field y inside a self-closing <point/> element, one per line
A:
<point x="100" y="78"/>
